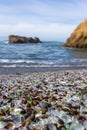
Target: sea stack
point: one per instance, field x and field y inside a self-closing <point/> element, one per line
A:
<point x="22" y="39"/>
<point x="78" y="38"/>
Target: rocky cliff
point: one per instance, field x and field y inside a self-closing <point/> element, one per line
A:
<point x="20" y="39"/>
<point x="78" y="38"/>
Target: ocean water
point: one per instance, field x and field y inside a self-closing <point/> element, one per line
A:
<point x="42" y="54"/>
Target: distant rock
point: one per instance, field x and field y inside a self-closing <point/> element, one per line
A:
<point x="21" y="39"/>
<point x="78" y="38"/>
<point x="36" y="39"/>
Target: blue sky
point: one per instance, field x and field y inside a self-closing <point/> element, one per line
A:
<point x="47" y="19"/>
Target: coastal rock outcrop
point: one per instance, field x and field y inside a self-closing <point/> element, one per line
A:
<point x="78" y="38"/>
<point x="21" y="39"/>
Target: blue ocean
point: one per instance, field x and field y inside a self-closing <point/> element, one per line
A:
<point x="50" y="53"/>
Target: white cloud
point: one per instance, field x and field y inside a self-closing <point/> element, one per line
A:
<point x="48" y="19"/>
<point x="51" y="31"/>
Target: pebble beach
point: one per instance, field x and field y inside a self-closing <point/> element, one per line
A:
<point x="44" y="101"/>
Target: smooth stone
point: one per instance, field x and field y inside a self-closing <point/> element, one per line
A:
<point x="77" y="126"/>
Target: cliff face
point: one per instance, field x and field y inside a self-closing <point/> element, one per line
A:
<point x="20" y="39"/>
<point x="78" y="38"/>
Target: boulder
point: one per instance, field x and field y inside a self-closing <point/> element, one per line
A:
<point x="21" y="39"/>
<point x="78" y="38"/>
<point x="36" y="39"/>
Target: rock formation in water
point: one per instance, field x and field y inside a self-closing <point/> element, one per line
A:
<point x="21" y="39"/>
<point x="78" y="38"/>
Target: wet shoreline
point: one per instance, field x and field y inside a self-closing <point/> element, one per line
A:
<point x="22" y="70"/>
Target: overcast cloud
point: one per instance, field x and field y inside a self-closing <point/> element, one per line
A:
<point x="47" y="19"/>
